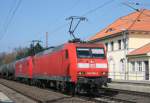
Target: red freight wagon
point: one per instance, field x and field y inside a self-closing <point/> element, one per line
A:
<point x="24" y="68"/>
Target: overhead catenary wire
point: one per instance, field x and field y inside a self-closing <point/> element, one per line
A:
<point x="10" y="10"/>
<point x="8" y="17"/>
<point x="98" y="7"/>
<point x="84" y="14"/>
<point x="64" y="24"/>
<point x="136" y="9"/>
<point x="12" y="13"/>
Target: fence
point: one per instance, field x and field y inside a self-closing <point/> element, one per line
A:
<point x="129" y="75"/>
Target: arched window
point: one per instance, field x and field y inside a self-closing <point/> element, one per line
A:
<point x="122" y="65"/>
<point x="111" y="63"/>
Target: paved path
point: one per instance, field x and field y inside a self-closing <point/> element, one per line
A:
<point x="4" y="98"/>
<point x="139" y="86"/>
<point x="9" y="96"/>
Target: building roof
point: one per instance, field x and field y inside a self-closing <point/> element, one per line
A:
<point x="142" y="50"/>
<point x="139" y="20"/>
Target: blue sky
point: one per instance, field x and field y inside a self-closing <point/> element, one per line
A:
<point x="34" y="18"/>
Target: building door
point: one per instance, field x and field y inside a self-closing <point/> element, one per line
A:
<point x="122" y="69"/>
<point x="146" y="70"/>
<point x="111" y="68"/>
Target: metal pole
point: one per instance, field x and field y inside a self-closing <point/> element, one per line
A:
<point x="125" y="53"/>
<point x="46" y="39"/>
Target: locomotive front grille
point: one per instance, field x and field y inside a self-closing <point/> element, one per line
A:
<point x="98" y="81"/>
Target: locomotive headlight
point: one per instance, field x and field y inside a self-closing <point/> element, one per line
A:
<point x="81" y="73"/>
<point x="104" y="73"/>
<point x="101" y="65"/>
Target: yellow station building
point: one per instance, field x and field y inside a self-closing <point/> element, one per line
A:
<point x="123" y="38"/>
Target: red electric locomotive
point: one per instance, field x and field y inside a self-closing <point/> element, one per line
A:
<point x="72" y="65"/>
<point x="23" y="69"/>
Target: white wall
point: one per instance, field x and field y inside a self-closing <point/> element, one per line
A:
<point x="116" y="55"/>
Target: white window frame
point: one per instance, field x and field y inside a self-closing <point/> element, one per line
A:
<point x="122" y="65"/>
<point x="139" y="66"/>
<point x="106" y="44"/>
<point x="112" y="46"/>
<point x="119" y="45"/>
<point x="132" y="66"/>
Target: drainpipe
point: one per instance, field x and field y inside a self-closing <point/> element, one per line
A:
<point x="125" y="41"/>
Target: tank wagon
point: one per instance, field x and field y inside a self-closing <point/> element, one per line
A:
<point x="8" y="71"/>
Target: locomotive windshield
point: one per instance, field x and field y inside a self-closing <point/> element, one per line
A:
<point x="83" y="52"/>
<point x="90" y="52"/>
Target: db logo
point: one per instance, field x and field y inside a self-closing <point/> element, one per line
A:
<point x="92" y="65"/>
<point x="92" y="61"/>
<point x="20" y="68"/>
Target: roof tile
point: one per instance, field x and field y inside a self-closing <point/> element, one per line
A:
<point x="142" y="50"/>
<point x="139" y="20"/>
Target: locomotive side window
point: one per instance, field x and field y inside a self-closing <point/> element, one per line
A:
<point x="97" y="52"/>
<point x="83" y="52"/>
<point x="66" y="54"/>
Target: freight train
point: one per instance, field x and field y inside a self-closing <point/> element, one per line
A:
<point x="68" y="67"/>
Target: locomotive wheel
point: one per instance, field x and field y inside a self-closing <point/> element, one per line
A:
<point x="29" y="81"/>
<point x="71" y="88"/>
<point x="58" y="86"/>
<point x="40" y="84"/>
<point x="63" y="87"/>
<point x="35" y="83"/>
<point x="77" y="89"/>
<point x="43" y="85"/>
<point x="54" y="85"/>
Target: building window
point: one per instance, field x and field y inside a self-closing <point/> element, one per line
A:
<point x="139" y="66"/>
<point x="106" y="44"/>
<point x="133" y="66"/>
<point x="124" y="43"/>
<point x="119" y="44"/>
<point x="122" y="65"/>
<point x="112" y="46"/>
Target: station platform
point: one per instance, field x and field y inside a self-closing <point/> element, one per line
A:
<point x="142" y="82"/>
<point x="4" y="98"/>
<point x="138" y="86"/>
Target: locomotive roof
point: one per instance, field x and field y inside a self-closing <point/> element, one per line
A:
<point x="49" y="50"/>
<point x="52" y="49"/>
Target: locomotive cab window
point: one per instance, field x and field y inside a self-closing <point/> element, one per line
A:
<point x="83" y="52"/>
<point x="90" y="53"/>
<point x="97" y="52"/>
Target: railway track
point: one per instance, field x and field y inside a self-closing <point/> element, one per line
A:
<point x="106" y="97"/>
<point x="50" y="96"/>
<point x="126" y="96"/>
<point x="22" y="91"/>
<point x="41" y="95"/>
